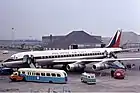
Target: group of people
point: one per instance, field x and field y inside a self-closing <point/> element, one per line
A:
<point x="131" y="66"/>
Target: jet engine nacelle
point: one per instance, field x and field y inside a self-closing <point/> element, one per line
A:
<point x="75" y="66"/>
<point x="100" y="66"/>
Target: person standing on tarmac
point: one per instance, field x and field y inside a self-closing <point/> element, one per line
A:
<point x="139" y="68"/>
<point x="112" y="72"/>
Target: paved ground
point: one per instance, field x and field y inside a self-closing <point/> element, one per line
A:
<point x="4" y="56"/>
<point x="104" y="83"/>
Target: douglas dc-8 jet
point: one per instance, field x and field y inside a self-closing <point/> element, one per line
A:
<point x="71" y="59"/>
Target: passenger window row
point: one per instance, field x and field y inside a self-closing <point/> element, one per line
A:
<point x="44" y="74"/>
<point x="72" y="55"/>
<point x="88" y="76"/>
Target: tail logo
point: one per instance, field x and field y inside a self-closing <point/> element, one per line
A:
<point x="115" y="41"/>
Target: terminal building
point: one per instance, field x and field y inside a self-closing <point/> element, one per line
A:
<point x="20" y="44"/>
<point x="79" y="38"/>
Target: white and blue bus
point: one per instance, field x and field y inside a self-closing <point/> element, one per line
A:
<point x="43" y="75"/>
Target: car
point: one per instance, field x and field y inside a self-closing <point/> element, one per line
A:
<point x="119" y="74"/>
<point x="6" y="71"/>
<point x="5" y="52"/>
<point x="88" y="78"/>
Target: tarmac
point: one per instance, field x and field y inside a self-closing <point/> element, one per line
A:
<point x="105" y="83"/>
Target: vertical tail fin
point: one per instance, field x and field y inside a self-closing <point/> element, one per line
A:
<point x="115" y="40"/>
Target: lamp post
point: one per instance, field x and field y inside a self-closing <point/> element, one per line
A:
<point x="13" y="35"/>
<point x="30" y="38"/>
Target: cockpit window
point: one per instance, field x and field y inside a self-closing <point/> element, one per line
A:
<point x="13" y="57"/>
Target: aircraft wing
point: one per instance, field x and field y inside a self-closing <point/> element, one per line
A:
<point x="86" y="61"/>
<point x="111" y="59"/>
<point x="14" y="62"/>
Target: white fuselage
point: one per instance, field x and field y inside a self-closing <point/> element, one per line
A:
<point x="57" y="53"/>
<point x="61" y="56"/>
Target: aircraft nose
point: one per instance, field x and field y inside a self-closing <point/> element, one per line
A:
<point x="3" y="65"/>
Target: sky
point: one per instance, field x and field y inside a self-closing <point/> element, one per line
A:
<point x="32" y="19"/>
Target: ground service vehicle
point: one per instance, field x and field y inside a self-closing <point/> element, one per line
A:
<point x="119" y="74"/>
<point x="88" y="78"/>
<point x="5" y="52"/>
<point x="16" y="77"/>
<point x="6" y="71"/>
<point x="40" y="75"/>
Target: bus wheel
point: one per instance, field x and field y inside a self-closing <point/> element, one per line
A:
<point x="50" y="82"/>
<point x="23" y="79"/>
<point x="50" y="66"/>
<point x="82" y="80"/>
<point x="64" y="67"/>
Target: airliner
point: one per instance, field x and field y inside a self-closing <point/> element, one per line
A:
<point x="71" y="59"/>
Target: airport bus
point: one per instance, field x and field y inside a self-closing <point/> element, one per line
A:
<point x="40" y="75"/>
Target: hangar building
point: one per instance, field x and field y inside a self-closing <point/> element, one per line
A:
<point x="128" y="40"/>
<point x="80" y="38"/>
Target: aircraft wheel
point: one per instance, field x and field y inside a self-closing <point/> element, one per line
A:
<point x="82" y="70"/>
<point x="51" y="66"/>
<point x="64" y="67"/>
<point x="42" y="66"/>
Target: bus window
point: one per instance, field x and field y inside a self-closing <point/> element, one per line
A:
<point x="23" y="72"/>
<point x="28" y="73"/>
<point x="47" y="74"/>
<point x="53" y="74"/>
<point x="42" y="74"/>
<point x="37" y="73"/>
<point x="92" y="77"/>
<point x="33" y="73"/>
<point x="58" y="75"/>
